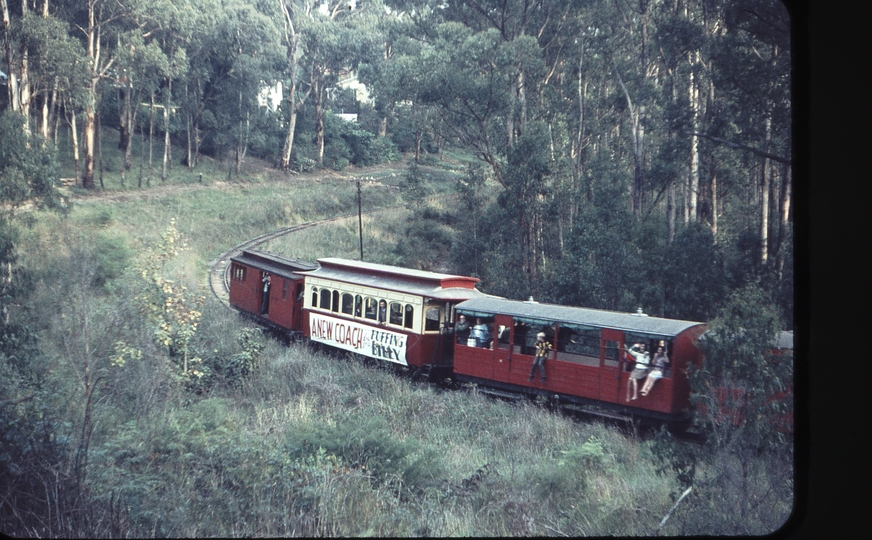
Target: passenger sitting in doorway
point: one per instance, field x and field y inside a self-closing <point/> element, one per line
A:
<point x="481" y="334"/>
<point x="543" y="348"/>
<point x="660" y="363"/>
<point x="643" y="359"/>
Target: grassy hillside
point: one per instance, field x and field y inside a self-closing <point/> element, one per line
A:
<point x="292" y="440"/>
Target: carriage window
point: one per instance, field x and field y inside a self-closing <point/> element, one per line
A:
<point x="238" y="272"/>
<point x="335" y="300"/>
<point x="611" y="354"/>
<point x="325" y="299"/>
<point x="284" y="289"/>
<point x="314" y="297"/>
<point x="409" y="318"/>
<point x="431" y="319"/>
<point x="525" y="334"/>
<point x="371" y="308"/>
<point x="631" y="338"/>
<point x="347" y="303"/>
<point x="578" y="344"/>
<point x="502" y="336"/>
<point x="396" y="315"/>
<point x="481" y="332"/>
<point x="358" y="306"/>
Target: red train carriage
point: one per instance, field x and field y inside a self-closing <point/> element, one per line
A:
<point x="588" y="363"/>
<point x="281" y="304"/>
<point x="384" y="312"/>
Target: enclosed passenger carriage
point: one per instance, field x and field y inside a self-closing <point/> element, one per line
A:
<point x="384" y="312"/>
<point x="277" y="302"/>
<point x="588" y="363"/>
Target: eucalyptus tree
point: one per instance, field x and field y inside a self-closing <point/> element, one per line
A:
<point x="171" y="24"/>
<point x="753" y="56"/>
<point x="383" y="77"/>
<point x="336" y="39"/>
<point x="244" y="57"/>
<point x="16" y="58"/>
<point x="140" y="65"/>
<point x="95" y="20"/>
<point x="291" y="11"/>
<point x="469" y="76"/>
<point x="56" y="65"/>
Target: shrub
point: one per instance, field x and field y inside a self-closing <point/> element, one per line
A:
<point x="339" y="164"/>
<point x="366" y="442"/>
<point x="303" y="164"/>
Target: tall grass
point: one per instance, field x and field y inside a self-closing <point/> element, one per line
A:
<point x="315" y="443"/>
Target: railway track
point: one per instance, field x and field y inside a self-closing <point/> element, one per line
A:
<point x="219" y="268"/>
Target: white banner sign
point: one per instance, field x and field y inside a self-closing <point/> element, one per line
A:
<point x="358" y="338"/>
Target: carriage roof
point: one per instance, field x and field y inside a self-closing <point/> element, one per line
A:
<point x="273" y="263"/>
<point x="594" y="318"/>
<point x="393" y="278"/>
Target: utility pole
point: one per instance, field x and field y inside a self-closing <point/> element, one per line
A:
<point x="360" y="220"/>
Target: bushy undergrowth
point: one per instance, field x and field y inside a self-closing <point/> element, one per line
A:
<point x="277" y="440"/>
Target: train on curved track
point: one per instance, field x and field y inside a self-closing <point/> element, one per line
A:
<point x="407" y="317"/>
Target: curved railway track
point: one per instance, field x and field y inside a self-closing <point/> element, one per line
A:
<point x="219" y="269"/>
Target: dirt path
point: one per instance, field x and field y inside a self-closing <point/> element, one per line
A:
<point x="158" y="190"/>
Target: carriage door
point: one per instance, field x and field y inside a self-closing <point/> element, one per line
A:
<point x="502" y="345"/>
<point x="297" y="303"/>
<point x="611" y="343"/>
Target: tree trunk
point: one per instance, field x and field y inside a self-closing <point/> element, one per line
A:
<point x="189" y="157"/>
<point x="579" y="143"/>
<point x="291" y="42"/>
<point x="693" y="173"/>
<point x="150" y="139"/>
<point x="764" y="200"/>
<point x="318" y="95"/>
<point x="785" y="217"/>
<point x="52" y="128"/>
<point x="166" y="155"/>
<point x="75" y="136"/>
<point x="90" y="148"/>
<point x="638" y="136"/>
<point x="714" y="204"/>
<point x="93" y="50"/>
<point x="670" y="211"/>
<point x="100" y="152"/>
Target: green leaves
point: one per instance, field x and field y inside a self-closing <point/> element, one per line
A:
<point x="28" y="168"/>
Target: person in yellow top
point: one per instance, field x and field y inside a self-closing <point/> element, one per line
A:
<point x="543" y="349"/>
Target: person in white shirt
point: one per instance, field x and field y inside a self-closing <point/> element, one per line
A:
<point x="643" y="360"/>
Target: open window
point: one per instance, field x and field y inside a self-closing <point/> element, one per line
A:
<point x="580" y="344"/>
<point x="408" y="316"/>
<point x="371" y="308"/>
<point x="396" y="314"/>
<point x="347" y="304"/>
<point x="525" y="334"/>
<point x="432" y="319"/>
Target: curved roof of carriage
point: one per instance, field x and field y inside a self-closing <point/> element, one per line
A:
<point x="274" y="263"/>
<point x="598" y="318"/>
<point x="394" y="278"/>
